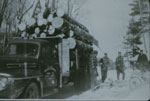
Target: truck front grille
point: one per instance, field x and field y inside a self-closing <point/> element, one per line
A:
<point x="16" y="65"/>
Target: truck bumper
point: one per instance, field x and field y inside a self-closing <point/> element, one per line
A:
<point x="10" y="93"/>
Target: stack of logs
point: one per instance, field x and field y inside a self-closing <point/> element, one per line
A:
<point x="57" y="23"/>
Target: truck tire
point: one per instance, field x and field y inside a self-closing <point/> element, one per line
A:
<point x="80" y="81"/>
<point x="32" y="91"/>
<point x="76" y="81"/>
<point x="54" y="76"/>
<point x="135" y="83"/>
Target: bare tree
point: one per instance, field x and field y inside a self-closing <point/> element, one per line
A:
<point x="74" y="6"/>
<point x="16" y="10"/>
<point x="22" y="9"/>
<point x="4" y="4"/>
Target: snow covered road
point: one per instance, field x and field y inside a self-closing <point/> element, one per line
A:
<point x="122" y="92"/>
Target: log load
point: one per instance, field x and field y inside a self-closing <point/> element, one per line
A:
<point x="54" y="24"/>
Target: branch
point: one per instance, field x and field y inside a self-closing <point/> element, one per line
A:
<point x="47" y="3"/>
<point x="2" y="11"/>
<point x="79" y="7"/>
<point x="28" y="9"/>
<point x="25" y="12"/>
<point x="23" y="5"/>
<point x="9" y="2"/>
<point x="4" y="6"/>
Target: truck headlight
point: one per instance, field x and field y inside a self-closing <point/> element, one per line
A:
<point x="3" y="83"/>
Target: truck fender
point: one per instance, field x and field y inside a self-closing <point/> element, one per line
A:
<point x="50" y="69"/>
<point x="39" y="83"/>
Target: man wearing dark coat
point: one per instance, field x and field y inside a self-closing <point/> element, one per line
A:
<point x="104" y="62"/>
<point x="120" y="66"/>
<point x="142" y="61"/>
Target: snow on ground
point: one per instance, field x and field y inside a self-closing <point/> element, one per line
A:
<point x="123" y="92"/>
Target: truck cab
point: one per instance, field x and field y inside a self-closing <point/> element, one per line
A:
<point x="29" y="64"/>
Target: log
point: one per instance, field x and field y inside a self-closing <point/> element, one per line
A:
<point x="60" y="25"/>
<point x="83" y="46"/>
<point x="79" y="33"/>
<point x="22" y="27"/>
<point x="34" y="36"/>
<point x="50" y="18"/>
<point x="51" y="30"/>
<point x="31" y="22"/>
<point x="23" y="34"/>
<point x="43" y="35"/>
<point x="60" y="13"/>
<point x="74" y="22"/>
<point x="37" y="30"/>
<point x="57" y="22"/>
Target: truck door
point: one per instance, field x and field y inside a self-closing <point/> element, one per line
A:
<point x="48" y="58"/>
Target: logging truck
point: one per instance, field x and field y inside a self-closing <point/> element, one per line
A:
<point x="34" y="68"/>
<point x="50" y="50"/>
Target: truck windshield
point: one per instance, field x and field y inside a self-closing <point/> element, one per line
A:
<point x="22" y="49"/>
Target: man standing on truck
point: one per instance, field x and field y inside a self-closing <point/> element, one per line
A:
<point x="120" y="66"/>
<point x="104" y="62"/>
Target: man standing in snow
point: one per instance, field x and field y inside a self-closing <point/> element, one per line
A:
<point x="120" y="66"/>
<point x="104" y="62"/>
<point x="142" y="61"/>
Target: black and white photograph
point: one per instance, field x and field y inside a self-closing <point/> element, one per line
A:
<point x="92" y="50"/>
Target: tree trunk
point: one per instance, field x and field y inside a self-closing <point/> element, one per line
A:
<point x="1" y="19"/>
<point x="139" y="3"/>
<point x="2" y="10"/>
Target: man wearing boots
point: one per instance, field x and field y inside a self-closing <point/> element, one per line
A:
<point x="104" y="62"/>
<point x="120" y="66"/>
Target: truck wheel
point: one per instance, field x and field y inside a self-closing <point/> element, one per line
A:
<point x="32" y="91"/>
<point x="53" y="78"/>
<point x="134" y="83"/>
<point x="76" y="82"/>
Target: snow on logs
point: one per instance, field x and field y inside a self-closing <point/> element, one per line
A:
<point x="56" y="23"/>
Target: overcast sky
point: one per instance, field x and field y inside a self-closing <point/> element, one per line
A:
<point x="108" y="20"/>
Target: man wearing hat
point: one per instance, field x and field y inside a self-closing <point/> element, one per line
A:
<point x="104" y="62"/>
